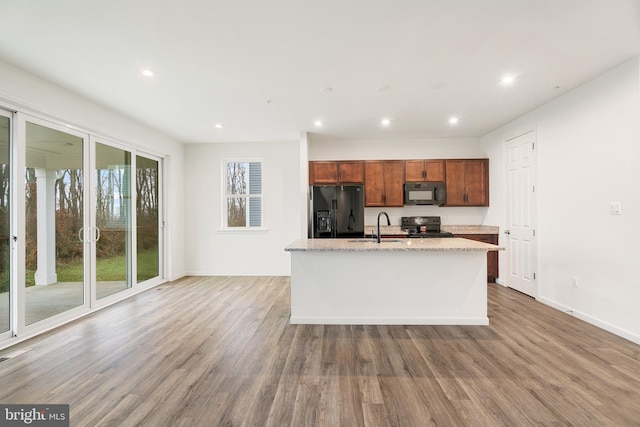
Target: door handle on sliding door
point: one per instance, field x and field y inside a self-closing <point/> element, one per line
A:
<point x="96" y="233"/>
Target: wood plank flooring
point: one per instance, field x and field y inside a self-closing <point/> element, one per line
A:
<point x="220" y="352"/>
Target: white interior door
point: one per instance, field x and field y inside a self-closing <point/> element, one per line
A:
<point x="520" y="232"/>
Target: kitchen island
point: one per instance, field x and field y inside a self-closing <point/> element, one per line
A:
<point x="397" y="281"/>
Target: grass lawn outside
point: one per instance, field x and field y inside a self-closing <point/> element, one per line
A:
<point x="108" y="269"/>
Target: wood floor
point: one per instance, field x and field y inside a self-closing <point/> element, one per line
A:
<point x="220" y="352"/>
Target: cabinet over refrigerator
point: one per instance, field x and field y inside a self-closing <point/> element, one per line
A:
<point x="336" y="211"/>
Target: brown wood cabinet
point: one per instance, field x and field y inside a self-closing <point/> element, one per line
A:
<point x="424" y="170"/>
<point x="383" y="183"/>
<point x="336" y="172"/>
<point x="467" y="182"/>
<point x="351" y="172"/>
<point x="492" y="256"/>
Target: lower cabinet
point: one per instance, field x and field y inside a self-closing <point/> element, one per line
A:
<point x="492" y="257"/>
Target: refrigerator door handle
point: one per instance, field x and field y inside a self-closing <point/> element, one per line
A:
<point x="334" y="223"/>
<point x="334" y="219"/>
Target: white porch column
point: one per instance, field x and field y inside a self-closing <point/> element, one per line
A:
<point x="46" y="270"/>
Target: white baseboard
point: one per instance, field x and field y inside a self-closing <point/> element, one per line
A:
<point x="305" y="320"/>
<point x="235" y="274"/>
<point x="592" y="320"/>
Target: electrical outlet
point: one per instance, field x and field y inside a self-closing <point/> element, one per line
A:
<point x="615" y="208"/>
<point x="575" y="281"/>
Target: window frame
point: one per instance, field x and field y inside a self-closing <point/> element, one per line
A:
<point x="226" y="196"/>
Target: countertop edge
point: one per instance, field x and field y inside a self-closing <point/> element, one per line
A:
<point x="401" y="245"/>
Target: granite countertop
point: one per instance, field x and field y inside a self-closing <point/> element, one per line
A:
<point x="471" y="229"/>
<point x="455" y="229"/>
<point x="389" y="245"/>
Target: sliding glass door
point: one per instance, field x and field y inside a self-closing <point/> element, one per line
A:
<point x="128" y="241"/>
<point x="55" y="230"/>
<point x="113" y="220"/>
<point x="79" y="223"/>
<point x="148" y="218"/>
<point x="5" y="224"/>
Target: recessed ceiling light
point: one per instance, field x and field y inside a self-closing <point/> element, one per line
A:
<point x="383" y="88"/>
<point x="385" y="122"/>
<point x="318" y="123"/>
<point x="218" y="125"/>
<point x="326" y="89"/>
<point x="453" y="120"/>
<point x="508" y="80"/>
<point x="148" y="73"/>
<point x="439" y="86"/>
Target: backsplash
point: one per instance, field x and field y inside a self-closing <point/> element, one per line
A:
<point x="449" y="216"/>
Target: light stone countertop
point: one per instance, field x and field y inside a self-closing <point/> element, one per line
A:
<point x="471" y="229"/>
<point x="389" y="245"/>
<point x="455" y="229"/>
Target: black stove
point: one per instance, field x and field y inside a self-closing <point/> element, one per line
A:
<point x="423" y="227"/>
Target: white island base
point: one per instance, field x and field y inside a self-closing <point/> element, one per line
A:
<point x="401" y="287"/>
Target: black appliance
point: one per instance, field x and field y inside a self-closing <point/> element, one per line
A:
<point x="423" y="227"/>
<point x="425" y="193"/>
<point x="336" y="211"/>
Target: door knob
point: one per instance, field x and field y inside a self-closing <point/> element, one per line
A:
<point x="507" y="231"/>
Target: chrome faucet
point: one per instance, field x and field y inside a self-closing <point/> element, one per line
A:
<point x="388" y="223"/>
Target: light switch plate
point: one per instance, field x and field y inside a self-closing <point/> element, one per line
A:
<point x="615" y="208"/>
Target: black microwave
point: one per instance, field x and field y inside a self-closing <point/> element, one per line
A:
<point x="425" y="193"/>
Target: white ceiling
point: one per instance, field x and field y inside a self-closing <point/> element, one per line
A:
<point x="258" y="66"/>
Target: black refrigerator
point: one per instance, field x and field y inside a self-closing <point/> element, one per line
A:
<point x="336" y="211"/>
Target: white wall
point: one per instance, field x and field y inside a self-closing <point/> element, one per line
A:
<point x="401" y="149"/>
<point x="588" y="154"/>
<point x="22" y="90"/>
<point x="211" y="251"/>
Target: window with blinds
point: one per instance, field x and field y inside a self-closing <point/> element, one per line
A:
<point x="243" y="194"/>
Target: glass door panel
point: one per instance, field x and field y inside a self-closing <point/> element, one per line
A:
<point x="5" y="231"/>
<point x="113" y="220"/>
<point x="147" y="219"/>
<point x="54" y="222"/>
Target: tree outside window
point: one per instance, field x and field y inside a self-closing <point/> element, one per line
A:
<point x="243" y="194"/>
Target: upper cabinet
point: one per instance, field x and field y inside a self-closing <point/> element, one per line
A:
<point x="336" y="172"/>
<point x="351" y="172"/>
<point x="424" y="170"/>
<point x="467" y="182"/>
<point x="384" y="183"/>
